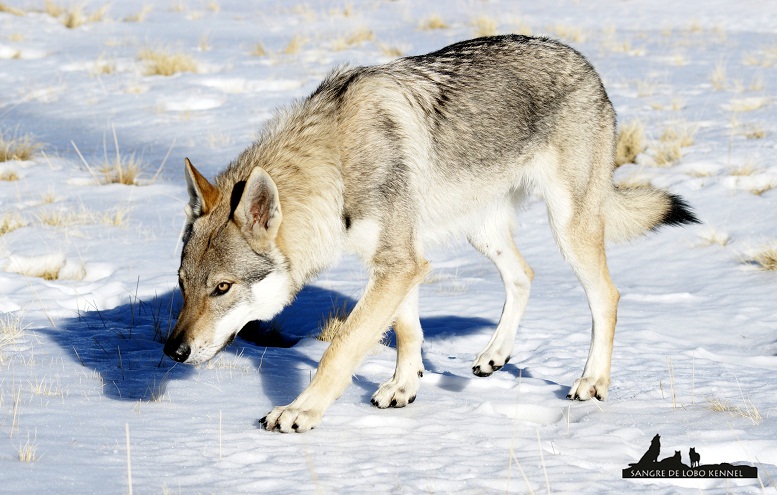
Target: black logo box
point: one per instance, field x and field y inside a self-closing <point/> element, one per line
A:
<point x="701" y="472"/>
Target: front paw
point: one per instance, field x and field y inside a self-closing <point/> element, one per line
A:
<point x="587" y="388"/>
<point x="287" y="419"/>
<point x="397" y="393"/>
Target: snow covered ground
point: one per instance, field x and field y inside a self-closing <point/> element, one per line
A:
<point x="87" y="283"/>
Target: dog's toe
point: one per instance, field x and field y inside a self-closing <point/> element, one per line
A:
<point x="479" y="372"/>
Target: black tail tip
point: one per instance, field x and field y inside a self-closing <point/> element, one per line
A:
<point x="679" y="213"/>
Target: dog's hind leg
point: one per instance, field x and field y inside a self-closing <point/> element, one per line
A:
<point x="494" y="239"/>
<point x="403" y="386"/>
<point x="579" y="232"/>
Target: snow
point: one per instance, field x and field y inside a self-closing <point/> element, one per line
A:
<point x="696" y="323"/>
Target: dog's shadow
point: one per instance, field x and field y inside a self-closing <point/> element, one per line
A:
<point x="123" y="345"/>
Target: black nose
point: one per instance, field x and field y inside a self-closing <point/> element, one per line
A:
<point x="177" y="350"/>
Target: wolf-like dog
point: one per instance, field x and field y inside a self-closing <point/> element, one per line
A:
<point x="385" y="161"/>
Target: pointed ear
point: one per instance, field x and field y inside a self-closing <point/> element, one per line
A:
<point x="202" y="195"/>
<point x="258" y="214"/>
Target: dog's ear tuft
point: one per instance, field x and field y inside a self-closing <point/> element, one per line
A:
<point x="202" y="195"/>
<point x="258" y="214"/>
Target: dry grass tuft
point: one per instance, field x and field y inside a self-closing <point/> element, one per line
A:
<point x="122" y="170"/>
<point x="9" y="176"/>
<point x="757" y="83"/>
<point x="115" y="218"/>
<point x="204" y="44"/>
<point x="356" y="38"/>
<point x="163" y="63"/>
<point x="258" y="51"/>
<point x="48" y="197"/>
<point x="568" y="33"/>
<point x="55" y="218"/>
<point x="294" y="46"/>
<point x="765" y="57"/>
<point x="760" y="189"/>
<point x="718" y="77"/>
<point x="10" y="222"/>
<point x="306" y="12"/>
<point x="53" y="9"/>
<point x="682" y="134"/>
<point x="522" y="28"/>
<point x="46" y="388"/>
<point x="11" y="330"/>
<point x="677" y="104"/>
<point x="749" y="104"/>
<point x="749" y="411"/>
<point x="333" y="324"/>
<point x="65" y="217"/>
<point x="484" y="26"/>
<point x="75" y="15"/>
<point x="665" y="154"/>
<point x="140" y="16"/>
<point x="432" y="23"/>
<point x="715" y="237"/>
<point x="102" y="67"/>
<point x="753" y="131"/>
<point x="28" y="451"/>
<point x="678" y="60"/>
<point x="744" y="170"/>
<point x="17" y="147"/>
<point x="11" y="10"/>
<point x="630" y="143"/>
<point x="611" y="43"/>
<point x="764" y="257"/>
<point x="669" y="147"/>
<point x="390" y="51"/>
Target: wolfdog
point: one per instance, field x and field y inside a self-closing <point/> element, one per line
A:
<point x="387" y="160"/>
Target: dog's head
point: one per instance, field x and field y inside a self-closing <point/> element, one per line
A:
<point x="232" y="271"/>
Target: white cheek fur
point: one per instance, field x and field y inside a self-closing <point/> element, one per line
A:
<point x="268" y="298"/>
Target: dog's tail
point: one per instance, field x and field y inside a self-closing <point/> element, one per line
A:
<point x="631" y="211"/>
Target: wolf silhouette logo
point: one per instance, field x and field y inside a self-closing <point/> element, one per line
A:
<point x="651" y="455"/>
<point x="695" y="458"/>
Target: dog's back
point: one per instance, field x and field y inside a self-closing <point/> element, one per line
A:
<point x="461" y="128"/>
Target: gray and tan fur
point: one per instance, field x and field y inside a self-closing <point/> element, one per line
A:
<point x="386" y="161"/>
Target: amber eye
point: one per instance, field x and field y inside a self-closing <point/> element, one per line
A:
<point x="222" y="288"/>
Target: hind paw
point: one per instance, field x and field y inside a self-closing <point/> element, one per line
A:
<point x="486" y="368"/>
<point x="586" y="388"/>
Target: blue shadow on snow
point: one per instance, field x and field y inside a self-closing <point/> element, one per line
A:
<point x="124" y="344"/>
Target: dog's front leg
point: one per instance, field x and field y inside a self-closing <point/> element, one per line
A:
<point x="362" y="330"/>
